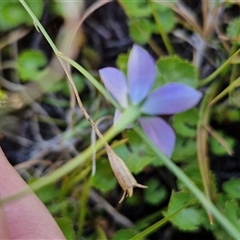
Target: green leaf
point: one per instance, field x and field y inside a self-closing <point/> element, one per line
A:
<point x="3" y="96"/>
<point x="233" y="29"/>
<point x="141" y="30"/>
<point x="155" y="193"/>
<point x="192" y="171"/>
<point x="135" y="200"/>
<point x="137" y="156"/>
<point x="185" y="123"/>
<point x="135" y="163"/>
<point x="136" y="8"/>
<point x="47" y="193"/>
<point x="57" y="208"/>
<point x="104" y="179"/>
<point x="232" y="188"/>
<point x="12" y="13"/>
<point x="124" y="234"/>
<point x="166" y="17"/>
<point x="122" y="62"/>
<point x="175" y="69"/>
<point x="232" y="212"/>
<point x="185" y="149"/>
<point x="188" y="219"/>
<point x="29" y="64"/>
<point x="217" y="148"/>
<point x="66" y="225"/>
<point x="64" y="88"/>
<point x="223" y="113"/>
<point x="230" y="208"/>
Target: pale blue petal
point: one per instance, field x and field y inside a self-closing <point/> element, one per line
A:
<point x="171" y="98"/>
<point x="141" y="74"/>
<point x="115" y="82"/>
<point x="117" y="115"/>
<point x="160" y="133"/>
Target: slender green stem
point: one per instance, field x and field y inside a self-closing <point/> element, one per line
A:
<point x="86" y="187"/>
<point x="202" y="145"/>
<point x="39" y="25"/>
<point x="165" y="38"/>
<point x="93" y="80"/>
<point x="227" y="90"/>
<point x="127" y="117"/>
<point x="208" y="79"/>
<point x="70" y="61"/>
<point x="162" y="222"/>
<point x="208" y="205"/>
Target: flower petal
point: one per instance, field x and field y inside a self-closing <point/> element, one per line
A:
<point x="171" y="98"/>
<point x="141" y="74"/>
<point x="117" y="115"/>
<point x="160" y="133"/>
<point x="116" y="83"/>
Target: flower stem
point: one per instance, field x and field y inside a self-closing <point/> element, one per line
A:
<point x="125" y="119"/>
<point x="218" y="70"/>
<point x="60" y="55"/>
<point x="163" y="34"/>
<point x="207" y="204"/>
<point x="202" y="144"/>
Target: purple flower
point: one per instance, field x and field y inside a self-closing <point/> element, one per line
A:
<point x="169" y="99"/>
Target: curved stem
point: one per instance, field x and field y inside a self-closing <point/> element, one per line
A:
<point x="207" y="204"/>
<point x="127" y="117"/>
<point x="163" y="34"/>
<point x="218" y="70"/>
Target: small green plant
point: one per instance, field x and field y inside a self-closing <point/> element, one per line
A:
<point x="165" y="118"/>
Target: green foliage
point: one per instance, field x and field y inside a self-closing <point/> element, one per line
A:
<point x="3" y="96"/>
<point x="137" y="156"/>
<point x="166" y="17"/>
<point x="134" y="200"/>
<point x="121" y="62"/>
<point x="230" y="208"/>
<point x="134" y="162"/>
<point x="136" y="153"/>
<point x="30" y="63"/>
<point x="185" y="123"/>
<point x="104" y="179"/>
<point x="155" y="193"/>
<point x="124" y="234"/>
<point x="217" y="148"/>
<point x="50" y="196"/>
<point x="232" y="188"/>
<point x="233" y="29"/>
<point x="48" y="193"/>
<point x="170" y="69"/>
<point x="66" y="225"/>
<point x="193" y="172"/>
<point x="185" y="149"/>
<point x="232" y="212"/>
<point x="136" y="8"/>
<point x="141" y="24"/>
<point x="225" y="113"/>
<point x="63" y="86"/>
<point x="12" y="14"/>
<point x="141" y="30"/>
<point x="175" y="69"/>
<point x="188" y="219"/>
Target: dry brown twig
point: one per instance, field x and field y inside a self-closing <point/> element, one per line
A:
<point x="124" y="177"/>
